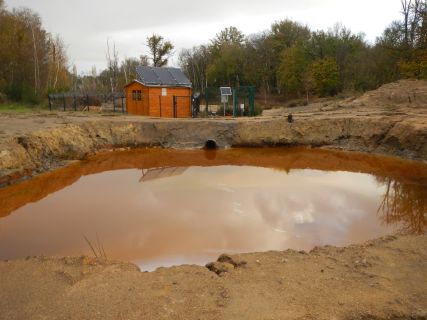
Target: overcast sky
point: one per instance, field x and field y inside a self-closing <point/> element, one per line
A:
<point x="85" y="25"/>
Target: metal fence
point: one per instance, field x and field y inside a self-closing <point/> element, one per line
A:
<point x="209" y="104"/>
<point x="102" y="102"/>
<point x="240" y="104"/>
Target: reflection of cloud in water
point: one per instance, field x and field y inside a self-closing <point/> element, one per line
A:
<point x="194" y="213"/>
<point x="318" y="209"/>
<point x="305" y="216"/>
<point x="274" y="210"/>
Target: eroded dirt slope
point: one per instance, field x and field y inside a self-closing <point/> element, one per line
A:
<point x="376" y="122"/>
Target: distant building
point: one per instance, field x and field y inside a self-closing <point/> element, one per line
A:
<point x="159" y="92"/>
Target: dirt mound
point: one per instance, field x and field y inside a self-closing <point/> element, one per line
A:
<point x="410" y="93"/>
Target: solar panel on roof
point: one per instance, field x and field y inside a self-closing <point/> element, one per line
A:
<point x="165" y="77"/>
<point x="226" y="91"/>
<point x="179" y="76"/>
<point x="147" y="75"/>
<point x="162" y="76"/>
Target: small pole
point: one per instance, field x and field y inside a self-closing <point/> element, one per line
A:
<point x="50" y="102"/>
<point x="114" y="102"/>
<point x="87" y="102"/>
<point x="174" y="107"/>
<point x="252" y="101"/>
<point x="63" y="101"/>
<point x="74" y="102"/>
<point x="235" y="106"/>
<point x="207" y="100"/>
<point x="160" y="105"/>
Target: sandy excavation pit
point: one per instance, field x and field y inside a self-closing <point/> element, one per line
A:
<point x="394" y="190"/>
<point x="382" y="278"/>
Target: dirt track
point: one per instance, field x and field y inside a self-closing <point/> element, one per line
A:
<point x="383" y="279"/>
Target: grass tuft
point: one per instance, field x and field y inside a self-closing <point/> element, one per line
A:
<point x="97" y="248"/>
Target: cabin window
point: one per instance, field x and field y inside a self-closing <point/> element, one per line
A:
<point x="136" y="95"/>
<point x="164" y="92"/>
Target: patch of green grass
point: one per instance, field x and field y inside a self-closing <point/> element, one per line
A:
<point x="21" y="108"/>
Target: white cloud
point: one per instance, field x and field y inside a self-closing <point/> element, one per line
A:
<point x="85" y="25"/>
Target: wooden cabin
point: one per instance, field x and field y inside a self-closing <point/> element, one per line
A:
<point x="159" y="92"/>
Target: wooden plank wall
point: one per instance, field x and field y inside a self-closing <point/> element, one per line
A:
<point x="154" y="104"/>
<point x="166" y="102"/>
<point x="137" y="107"/>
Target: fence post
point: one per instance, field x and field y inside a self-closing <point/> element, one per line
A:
<point x="252" y="101"/>
<point x="175" y="113"/>
<point x="235" y="101"/>
<point x="114" y="102"/>
<point x="50" y="102"/>
<point x="160" y="105"/>
<point x="63" y="101"/>
<point x="87" y="102"/>
<point x="74" y="102"/>
<point x="206" y="100"/>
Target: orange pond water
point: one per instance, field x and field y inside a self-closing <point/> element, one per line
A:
<point x="161" y="207"/>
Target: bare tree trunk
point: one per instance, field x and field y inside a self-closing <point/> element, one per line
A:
<point x="406" y="7"/>
<point x="36" y="60"/>
<point x="112" y="59"/>
<point x="126" y="75"/>
<point x="74" y="78"/>
<point x="56" y="74"/>
<point x="56" y="64"/>
<point x="415" y="21"/>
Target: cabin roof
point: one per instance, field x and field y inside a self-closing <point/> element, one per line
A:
<point x="165" y="77"/>
<point x="158" y="173"/>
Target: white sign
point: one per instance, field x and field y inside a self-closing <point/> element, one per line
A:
<point x="226" y="91"/>
<point x="164" y="92"/>
<point x="242" y="106"/>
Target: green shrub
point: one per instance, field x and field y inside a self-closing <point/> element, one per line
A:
<point x="3" y="97"/>
<point x="22" y="93"/>
<point x="326" y="76"/>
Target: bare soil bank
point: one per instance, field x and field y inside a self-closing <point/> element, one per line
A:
<point x="390" y="121"/>
<point x="382" y="279"/>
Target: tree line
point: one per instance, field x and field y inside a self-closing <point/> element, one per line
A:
<point x="32" y="61"/>
<point x="294" y="61"/>
<point x="288" y="60"/>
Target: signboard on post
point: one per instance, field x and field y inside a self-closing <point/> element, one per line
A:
<point x="225" y="93"/>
